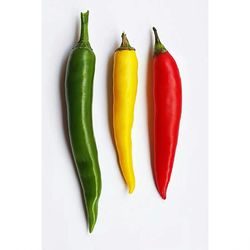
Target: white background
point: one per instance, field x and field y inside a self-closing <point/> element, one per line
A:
<point x="20" y="126"/>
<point x="142" y="220"/>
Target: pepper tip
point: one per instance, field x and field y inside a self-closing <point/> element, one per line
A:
<point x="91" y="226"/>
<point x="131" y="188"/>
<point x="162" y="193"/>
<point x="163" y="196"/>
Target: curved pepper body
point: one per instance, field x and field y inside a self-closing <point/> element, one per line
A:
<point x="79" y="91"/>
<point x="167" y="96"/>
<point x="124" y="95"/>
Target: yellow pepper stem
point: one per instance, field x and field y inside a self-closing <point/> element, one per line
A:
<point x="125" y="43"/>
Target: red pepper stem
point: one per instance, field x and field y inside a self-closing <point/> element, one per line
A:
<point x="159" y="47"/>
<point x="84" y="36"/>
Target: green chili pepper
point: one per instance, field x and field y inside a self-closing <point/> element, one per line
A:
<point x="79" y="91"/>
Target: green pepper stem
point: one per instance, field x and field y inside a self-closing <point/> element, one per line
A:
<point x="159" y="47"/>
<point x="84" y="36"/>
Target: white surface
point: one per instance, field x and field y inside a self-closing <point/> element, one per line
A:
<point x="142" y="220"/>
<point x="229" y="134"/>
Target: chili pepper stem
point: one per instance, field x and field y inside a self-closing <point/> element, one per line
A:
<point x="159" y="47"/>
<point x="84" y="36"/>
<point x="125" y="43"/>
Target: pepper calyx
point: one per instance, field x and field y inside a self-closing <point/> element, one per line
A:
<point x="125" y="43"/>
<point x="159" y="47"/>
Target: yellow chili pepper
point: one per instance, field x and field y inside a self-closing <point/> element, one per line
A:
<point x="124" y="93"/>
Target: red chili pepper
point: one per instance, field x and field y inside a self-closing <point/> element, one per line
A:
<point x="167" y="96"/>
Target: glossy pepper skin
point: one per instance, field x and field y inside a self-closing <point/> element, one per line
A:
<point x="124" y="95"/>
<point x="79" y="91"/>
<point x="167" y="95"/>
